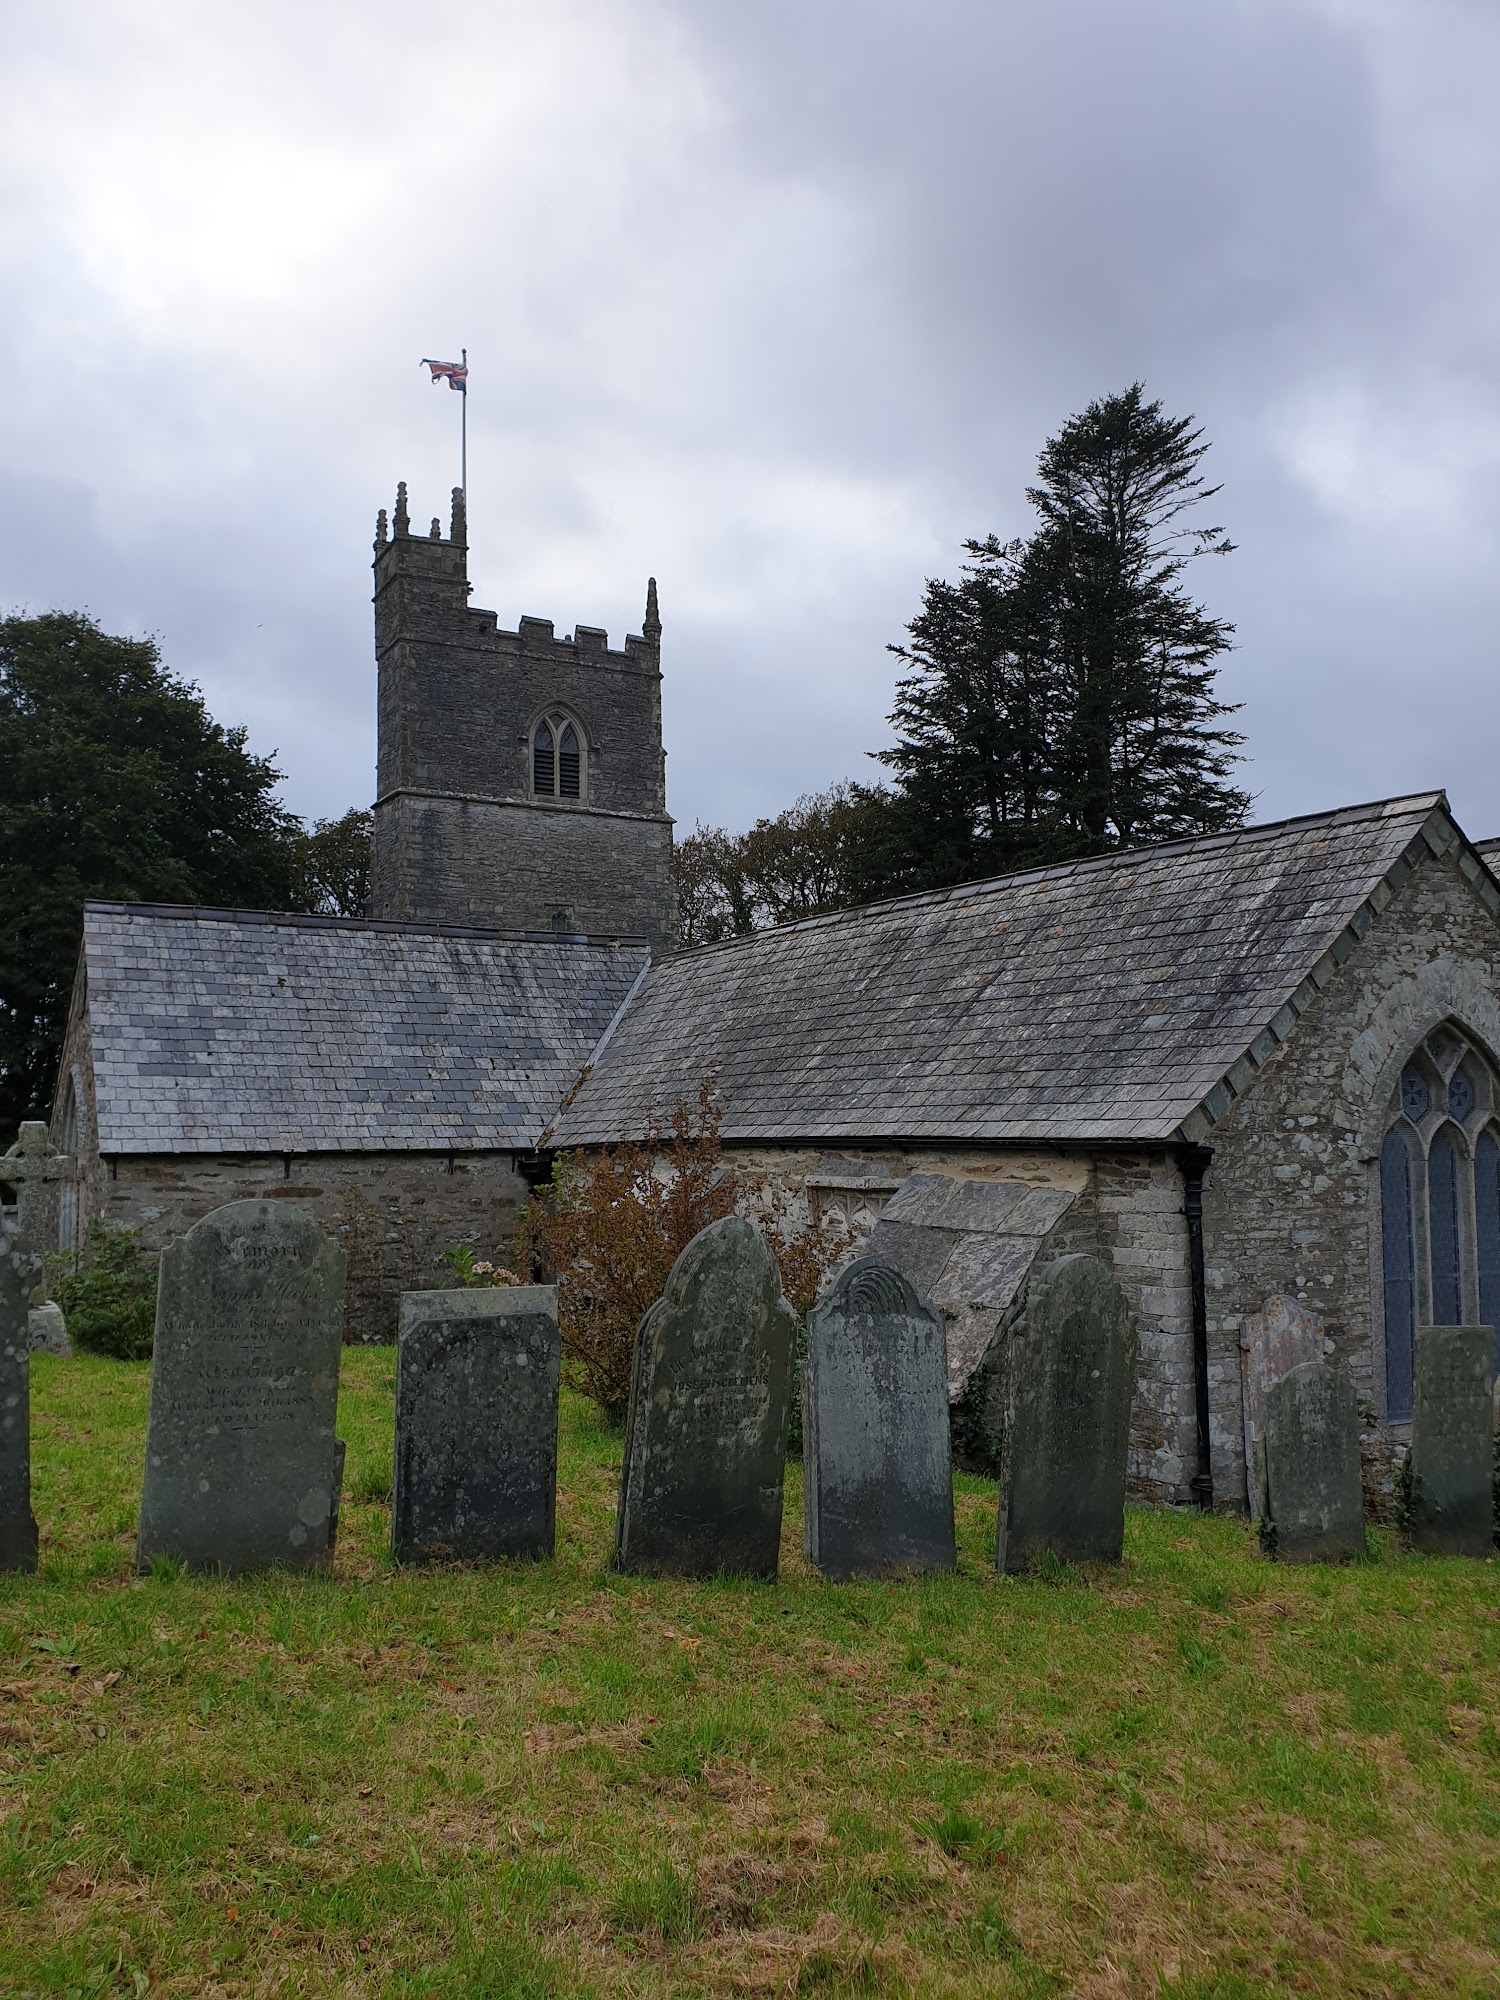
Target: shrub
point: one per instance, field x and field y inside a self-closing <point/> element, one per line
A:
<point x="610" y="1226"/>
<point x="108" y="1294"/>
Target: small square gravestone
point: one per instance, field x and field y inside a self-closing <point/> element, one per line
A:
<point x="242" y="1467"/>
<point x="1314" y="1507"/>
<point x="1452" y="1444"/>
<point x="877" y="1478"/>
<point x="17" y="1526"/>
<point x="476" y="1424"/>
<point x="1067" y="1383"/>
<point x="705" y="1438"/>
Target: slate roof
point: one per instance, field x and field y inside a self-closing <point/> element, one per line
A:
<point x="1127" y="998"/>
<point x="238" y="1031"/>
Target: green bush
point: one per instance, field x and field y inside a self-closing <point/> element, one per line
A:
<point x="108" y="1294"/>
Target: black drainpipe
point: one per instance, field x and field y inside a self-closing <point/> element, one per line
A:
<point x="1193" y="1161"/>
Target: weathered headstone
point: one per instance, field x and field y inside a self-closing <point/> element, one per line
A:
<point x="17" y="1527"/>
<point x="476" y="1424"/>
<point x="47" y="1330"/>
<point x="242" y="1467"/>
<point x="1068" y="1378"/>
<point x="1314" y="1507"/>
<point x="877" y="1479"/>
<point x="705" y="1440"/>
<point x="1452" y="1448"/>
<point x="1274" y="1341"/>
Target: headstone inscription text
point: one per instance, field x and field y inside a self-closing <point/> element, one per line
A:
<point x="1315" y="1509"/>
<point x="1452" y="1446"/>
<point x="17" y="1525"/>
<point x="242" y="1467"/>
<point x="1068" y="1378"/>
<point x="877" y="1479"/>
<point x="476" y="1425"/>
<point x="705" y="1440"/>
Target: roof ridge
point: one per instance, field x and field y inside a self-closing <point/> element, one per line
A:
<point x="1086" y="863"/>
<point x="380" y="926"/>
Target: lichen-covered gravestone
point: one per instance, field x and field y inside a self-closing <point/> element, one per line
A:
<point x="705" y="1439"/>
<point x="242" y="1467"/>
<point x="476" y="1424"/>
<point x="1452" y="1449"/>
<point x="1274" y="1341"/>
<point x="876" y="1474"/>
<point x="1068" y="1376"/>
<point x="17" y="1527"/>
<point x="1314" y="1508"/>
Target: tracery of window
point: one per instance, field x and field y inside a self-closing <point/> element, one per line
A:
<point x="556" y="759"/>
<point x="1439" y="1202"/>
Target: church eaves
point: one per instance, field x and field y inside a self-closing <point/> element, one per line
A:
<point x="1124" y="999"/>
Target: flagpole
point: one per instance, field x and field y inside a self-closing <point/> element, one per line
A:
<point x="463" y="448"/>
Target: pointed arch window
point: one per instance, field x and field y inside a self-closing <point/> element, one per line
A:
<point x="557" y="760"/>
<point x="1439" y="1202"/>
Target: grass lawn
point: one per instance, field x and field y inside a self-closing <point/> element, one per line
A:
<point x="1197" y="1775"/>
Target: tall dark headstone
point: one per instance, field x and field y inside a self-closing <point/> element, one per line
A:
<point x="242" y="1467"/>
<point x="1314" y="1507"/>
<point x="1274" y="1341"/>
<point x="17" y="1527"/>
<point x="1452" y="1446"/>
<point x="1068" y="1378"/>
<point x="476" y="1425"/>
<point x="877" y="1479"/>
<point x="705" y="1440"/>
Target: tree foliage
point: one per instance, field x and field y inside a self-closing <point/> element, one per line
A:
<point x="1062" y="699"/>
<point x="331" y="865"/>
<point x="117" y="784"/>
<point x="107" y="1292"/>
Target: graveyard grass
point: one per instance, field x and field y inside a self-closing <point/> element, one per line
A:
<point x="1196" y="1775"/>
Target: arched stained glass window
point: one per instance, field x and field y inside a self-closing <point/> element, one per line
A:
<point x="1461" y="1095"/>
<point x="567" y="762"/>
<point x="1414" y="1093"/>
<point x="1442" y="1207"/>
<point x="1400" y="1273"/>
<point x="543" y="760"/>
<point x="1487" y="1231"/>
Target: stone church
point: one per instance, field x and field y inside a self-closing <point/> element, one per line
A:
<point x="1258" y="1064"/>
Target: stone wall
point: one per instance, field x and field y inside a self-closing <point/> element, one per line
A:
<point x="394" y="1213"/>
<point x="1127" y="1207"/>
<point x="1291" y="1198"/>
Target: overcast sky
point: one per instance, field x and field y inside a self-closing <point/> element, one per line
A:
<point x="776" y="301"/>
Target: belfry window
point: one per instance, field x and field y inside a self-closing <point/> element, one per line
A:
<point x="1439" y="1203"/>
<point x="556" y="759"/>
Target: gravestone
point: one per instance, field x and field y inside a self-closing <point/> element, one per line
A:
<point x="47" y="1330"/>
<point x="705" y="1439"/>
<point x="1274" y="1341"/>
<point x="17" y="1527"/>
<point x="877" y="1479"/>
<point x="1314" y="1508"/>
<point x="476" y="1424"/>
<point x="1452" y="1442"/>
<point x="242" y="1467"/>
<point x="39" y="1177"/>
<point x="1068" y="1376"/>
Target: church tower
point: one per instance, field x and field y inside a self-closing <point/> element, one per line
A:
<point x="521" y="782"/>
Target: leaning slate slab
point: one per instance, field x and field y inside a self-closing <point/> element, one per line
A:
<point x="705" y="1439"/>
<point x="877" y="1480"/>
<point x="476" y="1425"/>
<point x="242" y="1468"/>
<point x="17" y="1527"/>
<point x="1314" y="1508"/>
<point x="1068" y="1378"/>
<point x="1452" y="1447"/>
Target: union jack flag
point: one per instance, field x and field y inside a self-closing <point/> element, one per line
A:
<point x="457" y="373"/>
